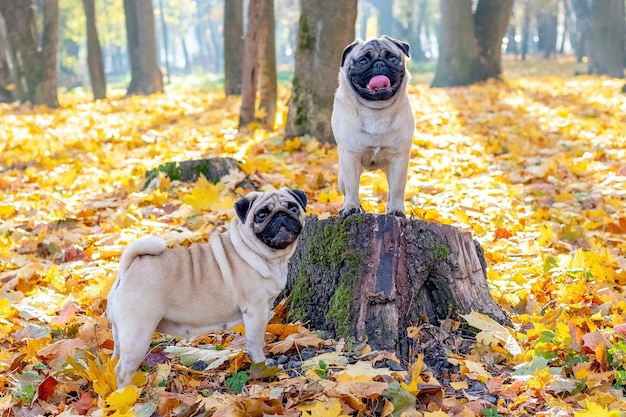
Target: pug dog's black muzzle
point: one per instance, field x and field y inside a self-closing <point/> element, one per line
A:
<point x="360" y="78"/>
<point x="281" y="231"/>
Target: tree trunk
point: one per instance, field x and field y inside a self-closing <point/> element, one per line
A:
<point x="326" y="27"/>
<point x="95" y="63"/>
<point x="216" y="45"/>
<point x="547" y="32"/>
<point x="183" y="44"/>
<point x="146" y="77"/>
<point x="583" y="28"/>
<point x="251" y="62"/>
<point x="470" y="44"/>
<point x="202" y="48"/>
<point x="607" y="38"/>
<point x="233" y="46"/>
<point x="525" y="32"/>
<point x="385" y="16"/>
<point x="35" y="65"/>
<point x="7" y="83"/>
<point x="415" y="23"/>
<point x="213" y="169"/>
<point x="166" y="52"/>
<point x="567" y="23"/>
<point x="268" y="88"/>
<point x="372" y="276"/>
<point x="422" y="25"/>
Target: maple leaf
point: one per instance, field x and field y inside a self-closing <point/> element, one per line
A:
<point x="46" y="388"/>
<point x="213" y="357"/>
<point x="416" y="378"/>
<point x="303" y="338"/>
<point x="361" y="371"/>
<point x="596" y="410"/>
<point x="492" y="332"/>
<point x="322" y="409"/>
<point x="121" y="401"/>
<point x="206" y="196"/>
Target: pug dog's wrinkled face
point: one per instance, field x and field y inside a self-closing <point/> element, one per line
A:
<point x="276" y="218"/>
<point x="375" y="69"/>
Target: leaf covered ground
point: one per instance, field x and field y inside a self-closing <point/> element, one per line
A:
<point x="533" y="167"/>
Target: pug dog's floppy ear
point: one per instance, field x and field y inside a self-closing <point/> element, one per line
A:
<point x="243" y="206"/>
<point x="300" y="196"/>
<point x="402" y="45"/>
<point x="348" y="49"/>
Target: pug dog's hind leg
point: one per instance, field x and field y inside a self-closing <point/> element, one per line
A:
<point x="349" y="179"/>
<point x="132" y="344"/>
<point x="255" y="321"/>
<point x="396" y="175"/>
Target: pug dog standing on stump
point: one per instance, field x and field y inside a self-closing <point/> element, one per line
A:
<point x="188" y="291"/>
<point x="372" y="120"/>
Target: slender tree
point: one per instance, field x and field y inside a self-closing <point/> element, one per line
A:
<point x="326" y="27"/>
<point x="267" y="66"/>
<point x="582" y="10"/>
<point x="233" y="46"/>
<point x="146" y="77"/>
<point x="607" y="38"/>
<point x="34" y="59"/>
<point x="525" y="30"/>
<point x="95" y="62"/>
<point x="384" y="10"/>
<point x="470" y="43"/>
<point x="7" y="84"/>
<point x="166" y="41"/>
<point x="547" y="22"/>
<point x="251" y="62"/>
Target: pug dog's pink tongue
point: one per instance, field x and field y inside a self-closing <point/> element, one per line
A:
<point x="378" y="82"/>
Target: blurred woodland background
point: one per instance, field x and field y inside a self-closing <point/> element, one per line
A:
<point x="246" y="47"/>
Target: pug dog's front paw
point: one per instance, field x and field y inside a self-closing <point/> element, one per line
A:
<point x="345" y="212"/>
<point x="397" y="213"/>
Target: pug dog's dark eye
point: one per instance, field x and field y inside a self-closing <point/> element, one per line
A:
<point x="293" y="208"/>
<point x="260" y="216"/>
<point x="393" y="59"/>
<point x="363" y="61"/>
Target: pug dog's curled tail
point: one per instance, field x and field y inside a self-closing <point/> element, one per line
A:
<point x="151" y="245"/>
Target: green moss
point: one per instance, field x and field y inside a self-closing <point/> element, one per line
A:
<point x="332" y="251"/>
<point x="329" y="249"/>
<point x="440" y="251"/>
<point x="171" y="169"/>
<point x="301" y="292"/>
<point x="301" y="114"/>
<point x="202" y="169"/>
<point x="339" y="310"/>
<point x="306" y="40"/>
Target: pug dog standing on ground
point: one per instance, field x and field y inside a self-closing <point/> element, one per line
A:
<point x="187" y="291"/>
<point x="372" y="120"/>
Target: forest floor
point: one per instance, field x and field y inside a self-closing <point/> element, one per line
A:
<point x="532" y="166"/>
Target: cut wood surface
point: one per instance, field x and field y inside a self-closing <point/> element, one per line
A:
<point x="372" y="276"/>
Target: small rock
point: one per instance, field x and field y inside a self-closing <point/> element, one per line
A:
<point x="293" y="364"/>
<point x="307" y="353"/>
<point x="199" y="365"/>
<point x="393" y="365"/>
<point x="271" y="362"/>
<point x="282" y="359"/>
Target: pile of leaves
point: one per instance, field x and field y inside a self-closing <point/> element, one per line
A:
<point x="533" y="167"/>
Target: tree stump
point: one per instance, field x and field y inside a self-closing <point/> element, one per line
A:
<point x="213" y="169"/>
<point x="375" y="275"/>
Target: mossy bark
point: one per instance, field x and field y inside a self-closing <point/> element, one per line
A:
<point x="375" y="275"/>
<point x="470" y="41"/>
<point x="325" y="28"/>
<point x="213" y="169"/>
